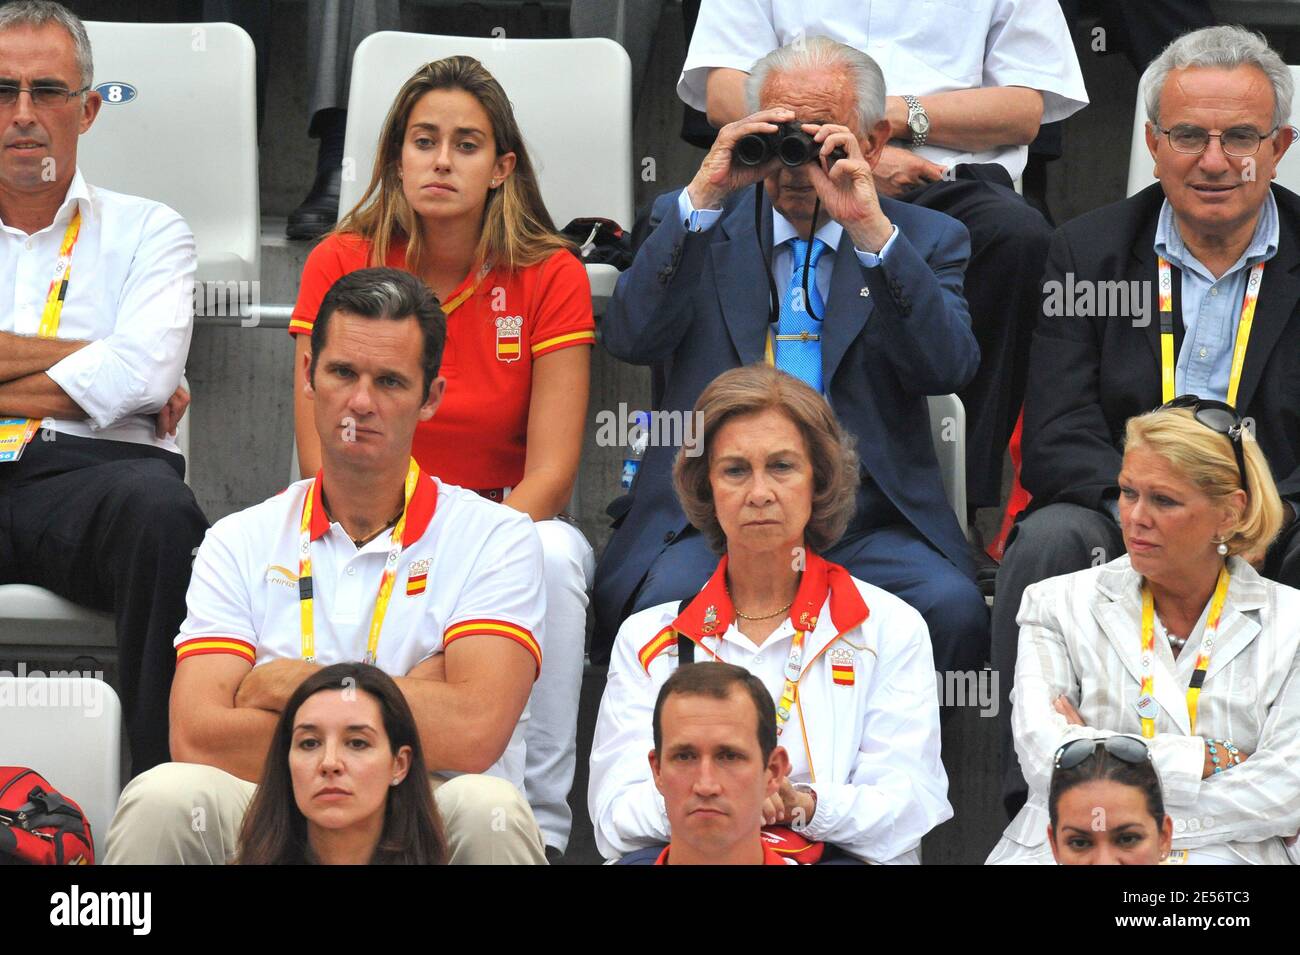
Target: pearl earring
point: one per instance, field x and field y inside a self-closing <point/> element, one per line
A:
<point x="1222" y="548"/>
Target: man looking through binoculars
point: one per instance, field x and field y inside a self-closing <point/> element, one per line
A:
<point x="858" y="295"/>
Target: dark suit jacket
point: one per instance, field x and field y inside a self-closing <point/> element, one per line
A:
<point x="1088" y="376"/>
<point x="698" y="303"/>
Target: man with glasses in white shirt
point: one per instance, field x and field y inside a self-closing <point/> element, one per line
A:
<point x="94" y="332"/>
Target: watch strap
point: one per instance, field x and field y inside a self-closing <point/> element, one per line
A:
<point x="914" y="108"/>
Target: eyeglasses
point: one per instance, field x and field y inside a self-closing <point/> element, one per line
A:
<point x="44" y="97"/>
<point x="1221" y="418"/>
<point x="1238" y="142"/>
<point x="1127" y="749"/>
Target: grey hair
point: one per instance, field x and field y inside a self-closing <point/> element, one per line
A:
<point x="37" y="13"/>
<point x="1226" y="47"/>
<point x="819" y="52"/>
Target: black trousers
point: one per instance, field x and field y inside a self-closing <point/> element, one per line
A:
<point x="111" y="526"/>
<point x="1009" y="240"/>
<point x="1061" y="539"/>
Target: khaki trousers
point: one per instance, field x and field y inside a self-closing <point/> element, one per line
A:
<point x="188" y="814"/>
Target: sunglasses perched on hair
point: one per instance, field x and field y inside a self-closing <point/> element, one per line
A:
<point x="1127" y="749"/>
<point x="1221" y="418"/>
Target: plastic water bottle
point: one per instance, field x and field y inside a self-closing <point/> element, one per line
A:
<point x="639" y="439"/>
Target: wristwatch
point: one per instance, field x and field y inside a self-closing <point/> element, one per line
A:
<point x="918" y="120"/>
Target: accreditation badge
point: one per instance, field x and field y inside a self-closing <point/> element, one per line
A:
<point x="15" y="433"/>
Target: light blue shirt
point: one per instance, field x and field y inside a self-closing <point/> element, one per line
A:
<point x="702" y="220"/>
<point x="1211" y="307"/>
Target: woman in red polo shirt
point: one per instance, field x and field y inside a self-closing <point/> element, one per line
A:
<point x="453" y="198"/>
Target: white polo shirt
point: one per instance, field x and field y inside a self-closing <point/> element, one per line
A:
<point x="922" y="46"/>
<point x="130" y="295"/>
<point x="468" y="568"/>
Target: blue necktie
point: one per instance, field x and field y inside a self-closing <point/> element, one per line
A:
<point x="798" y="334"/>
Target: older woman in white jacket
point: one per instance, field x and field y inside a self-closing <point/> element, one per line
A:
<point x="849" y="665"/>
<point x="1180" y="641"/>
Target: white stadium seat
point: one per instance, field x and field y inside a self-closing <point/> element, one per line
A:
<point x="572" y="100"/>
<point x="179" y="125"/>
<point x="948" y="432"/>
<point x="68" y="729"/>
<point x="1140" y="164"/>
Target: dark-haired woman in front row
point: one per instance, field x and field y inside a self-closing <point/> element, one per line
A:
<point x="1106" y="806"/>
<point x="1179" y="641"/>
<point x="344" y="782"/>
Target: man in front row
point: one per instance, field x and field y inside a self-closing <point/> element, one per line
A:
<point x="716" y="763"/>
<point x="370" y="560"/>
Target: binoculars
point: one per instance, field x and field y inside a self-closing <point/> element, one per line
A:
<point x="789" y="142"/>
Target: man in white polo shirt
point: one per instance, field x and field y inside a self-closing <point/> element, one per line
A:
<point x="370" y="560"/>
<point x="95" y="321"/>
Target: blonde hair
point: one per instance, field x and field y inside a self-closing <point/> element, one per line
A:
<point x="752" y="390"/>
<point x="1206" y="458"/>
<point x="517" y="230"/>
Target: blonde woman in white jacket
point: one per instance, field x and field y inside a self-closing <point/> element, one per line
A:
<point x="1179" y="641"/>
<point x="849" y="666"/>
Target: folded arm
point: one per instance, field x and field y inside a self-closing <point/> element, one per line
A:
<point x="626" y="809"/>
<point x="136" y="368"/>
<point x="898" y="790"/>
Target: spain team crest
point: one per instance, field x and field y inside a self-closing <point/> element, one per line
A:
<point x="417" y="576"/>
<point x="842" y="668"/>
<point x="509" y="337"/>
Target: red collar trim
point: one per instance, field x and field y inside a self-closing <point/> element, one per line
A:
<point x="711" y="612"/>
<point x="770" y="856"/>
<point x="320" y="521"/>
<point x="424" y="501"/>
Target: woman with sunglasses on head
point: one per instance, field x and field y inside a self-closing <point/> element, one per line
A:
<point x="1105" y="805"/>
<point x="1179" y="641"/>
<point x="454" y="199"/>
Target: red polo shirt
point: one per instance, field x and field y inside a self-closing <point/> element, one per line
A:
<point x="770" y="857"/>
<point x="478" y="437"/>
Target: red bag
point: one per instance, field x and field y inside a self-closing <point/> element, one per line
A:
<point x="792" y="845"/>
<point x="39" y="826"/>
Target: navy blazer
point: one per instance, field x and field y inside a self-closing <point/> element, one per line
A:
<point x="1089" y="375"/>
<point x="698" y="303"/>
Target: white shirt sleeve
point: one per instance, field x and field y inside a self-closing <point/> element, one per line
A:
<point x="729" y="33"/>
<point x="695" y="220"/>
<point x="218" y="601"/>
<point x="898" y="790"/>
<point x="136" y="368"/>
<point x="872" y="259"/>
<point x="504" y="586"/>
<point x="1029" y="44"/>
<point x="626" y="809"/>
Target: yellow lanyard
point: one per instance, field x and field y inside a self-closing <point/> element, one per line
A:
<point x="790" y="692"/>
<point x="457" y="301"/>
<point x="1146" y="705"/>
<point x="1253" y="284"/>
<point x="15" y="433"/>
<point x="385" y="583"/>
